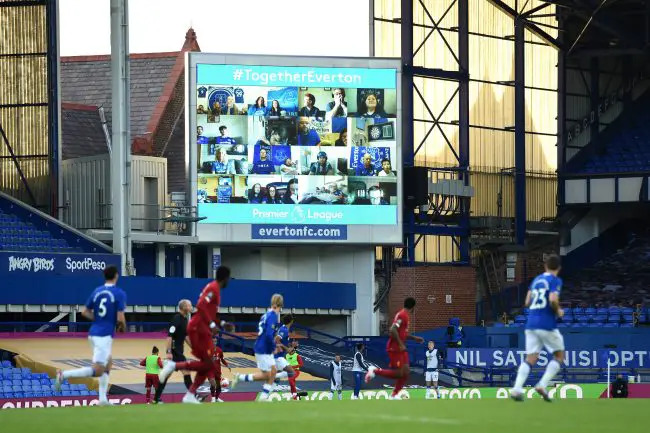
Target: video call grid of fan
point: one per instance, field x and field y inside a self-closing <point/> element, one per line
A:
<point x="290" y="145"/>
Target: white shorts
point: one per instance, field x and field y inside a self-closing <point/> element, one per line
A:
<point x="101" y="349"/>
<point x="264" y="362"/>
<point x="431" y="376"/>
<point x="536" y="339"/>
<point x="281" y="363"/>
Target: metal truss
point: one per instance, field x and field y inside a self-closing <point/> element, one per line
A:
<point x="443" y="215"/>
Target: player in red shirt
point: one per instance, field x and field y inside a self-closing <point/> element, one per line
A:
<point x="215" y="375"/>
<point x="399" y="368"/>
<point x="202" y="326"/>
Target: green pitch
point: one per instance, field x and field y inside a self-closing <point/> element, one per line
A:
<point x="374" y="416"/>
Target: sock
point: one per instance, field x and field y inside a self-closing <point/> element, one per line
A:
<point x="148" y="394"/>
<point x="522" y="375"/>
<point x="428" y="390"/>
<point x="282" y="375"/>
<point x="188" y="380"/>
<point x="292" y="384"/>
<point x="159" y="391"/>
<point x="399" y="385"/>
<point x="213" y="390"/>
<point x="551" y="370"/>
<point x="246" y="378"/>
<point x="340" y="396"/>
<point x="266" y="390"/>
<point x="217" y="391"/>
<point x="103" y="387"/>
<point x="383" y="372"/>
<point x="79" y="372"/>
<point x="199" y="378"/>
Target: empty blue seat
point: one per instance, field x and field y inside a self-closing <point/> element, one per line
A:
<point x="628" y="318"/>
<point x="627" y="325"/>
<point x="520" y="319"/>
<point x="599" y="319"/>
<point x="6" y="364"/>
<point x="93" y="393"/>
<point x="83" y="387"/>
<point x="610" y="325"/>
<point x="590" y="311"/>
<point x="84" y="393"/>
<point x="602" y="311"/>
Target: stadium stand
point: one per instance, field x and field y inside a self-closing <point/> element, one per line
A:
<point x="18" y="235"/>
<point x="22" y="383"/>
<point x="24" y="228"/>
<point x="618" y="280"/>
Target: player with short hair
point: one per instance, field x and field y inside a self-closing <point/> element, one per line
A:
<point x="201" y="328"/>
<point x="152" y="364"/>
<point x="265" y="347"/>
<point x="336" y="377"/>
<point x="543" y="301"/>
<point x="296" y="362"/>
<point x="431" y="374"/>
<point x="396" y="347"/>
<point x="175" y="343"/>
<point x="105" y="308"/>
<point x="215" y="375"/>
<point x="285" y="371"/>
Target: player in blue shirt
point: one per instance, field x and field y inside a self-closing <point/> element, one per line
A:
<point x="543" y="302"/>
<point x="265" y="348"/>
<point x="282" y="343"/>
<point x="105" y="308"/>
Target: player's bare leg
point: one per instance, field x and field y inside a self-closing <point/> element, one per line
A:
<point x="268" y="377"/>
<point x="517" y="392"/>
<point x="97" y="370"/>
<point x="552" y="369"/>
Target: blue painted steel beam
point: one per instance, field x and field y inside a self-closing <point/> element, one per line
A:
<point x="561" y="121"/>
<point x="594" y="93"/>
<point x="425" y="229"/>
<point x="520" y="133"/>
<point x="408" y="148"/>
<point x="463" y="124"/>
<point x="53" y="104"/>
<point x="442" y="74"/>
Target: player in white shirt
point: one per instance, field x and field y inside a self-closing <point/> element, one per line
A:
<point x="431" y="372"/>
<point x="336" y="377"/>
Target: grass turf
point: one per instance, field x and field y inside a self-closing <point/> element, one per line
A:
<point x="375" y="416"/>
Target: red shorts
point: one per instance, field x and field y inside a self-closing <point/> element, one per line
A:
<point x="215" y="373"/>
<point x="201" y="340"/>
<point x="398" y="359"/>
<point x="151" y="380"/>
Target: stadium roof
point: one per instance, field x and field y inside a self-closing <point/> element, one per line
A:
<point x="82" y="131"/>
<point x="86" y="80"/>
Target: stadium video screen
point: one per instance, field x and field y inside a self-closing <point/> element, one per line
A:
<point x="296" y="147"/>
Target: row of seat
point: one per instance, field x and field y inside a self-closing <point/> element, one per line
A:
<point x="571" y="325"/>
<point x="4" y="395"/>
<point x="17" y="235"/>
<point x="23" y="383"/>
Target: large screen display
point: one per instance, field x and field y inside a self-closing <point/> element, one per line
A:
<point x="295" y="149"/>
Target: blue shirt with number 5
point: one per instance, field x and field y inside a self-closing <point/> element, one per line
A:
<point x="105" y="302"/>
<point x="265" y="343"/>
<point x="541" y="315"/>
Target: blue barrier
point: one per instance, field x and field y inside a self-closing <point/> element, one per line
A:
<point x="67" y="290"/>
<point x="28" y="263"/>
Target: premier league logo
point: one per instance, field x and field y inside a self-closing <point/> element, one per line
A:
<point x="298" y="215"/>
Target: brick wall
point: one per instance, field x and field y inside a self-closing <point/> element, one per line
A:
<point x="436" y="281"/>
